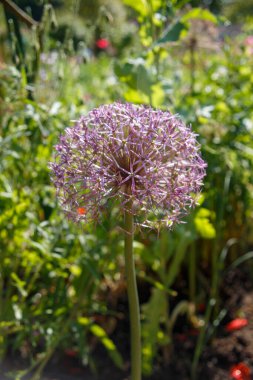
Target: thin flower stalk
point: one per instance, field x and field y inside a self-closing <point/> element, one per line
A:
<point x="147" y="160"/>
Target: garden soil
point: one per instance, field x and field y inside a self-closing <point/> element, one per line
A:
<point x="226" y="349"/>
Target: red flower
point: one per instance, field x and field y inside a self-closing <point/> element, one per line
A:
<point x="71" y="353"/>
<point x="102" y="43"/>
<point x="81" y="211"/>
<point x="240" y="371"/>
<point x="236" y="324"/>
<point x="201" y="307"/>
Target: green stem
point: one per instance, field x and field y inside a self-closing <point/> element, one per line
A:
<point x="193" y="64"/>
<point x="201" y="341"/>
<point x="192" y="274"/>
<point x="133" y="300"/>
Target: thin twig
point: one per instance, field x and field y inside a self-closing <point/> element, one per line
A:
<point x="19" y="13"/>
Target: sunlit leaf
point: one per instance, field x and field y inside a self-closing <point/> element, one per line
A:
<point x="201" y="14"/>
<point x="203" y="223"/>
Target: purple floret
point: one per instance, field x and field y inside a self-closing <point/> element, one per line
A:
<point x="133" y="154"/>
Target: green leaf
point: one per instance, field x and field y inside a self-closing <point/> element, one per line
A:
<point x="247" y="256"/>
<point x="153" y="311"/>
<point x="201" y="14"/>
<point x="84" y="321"/>
<point x="135" y="96"/>
<point x="75" y="270"/>
<point x="225" y="250"/>
<point x="100" y="333"/>
<point x="144" y="7"/>
<point x="19" y="284"/>
<point x="139" y="6"/>
<point x="157" y="95"/>
<point x="157" y="284"/>
<point x="203" y="224"/>
<point x="135" y="74"/>
<point x="177" y="260"/>
<point x="183" y="307"/>
<point x="172" y="33"/>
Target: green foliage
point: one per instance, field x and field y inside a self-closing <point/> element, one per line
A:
<point x="100" y="333"/>
<point x="203" y="224"/>
<point x="49" y="269"/>
<point x="200" y="14"/>
<point x="154" y="311"/>
<point x="56" y="278"/>
<point x="172" y="33"/>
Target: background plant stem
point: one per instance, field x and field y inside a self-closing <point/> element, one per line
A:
<point x="133" y="299"/>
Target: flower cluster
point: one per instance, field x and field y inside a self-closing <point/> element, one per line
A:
<point x="134" y="154"/>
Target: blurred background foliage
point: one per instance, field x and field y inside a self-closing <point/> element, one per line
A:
<point x="61" y="285"/>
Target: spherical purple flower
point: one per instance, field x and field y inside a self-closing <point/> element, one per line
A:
<point x="133" y="154"/>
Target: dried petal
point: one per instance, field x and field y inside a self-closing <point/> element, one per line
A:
<point x="236" y="324"/>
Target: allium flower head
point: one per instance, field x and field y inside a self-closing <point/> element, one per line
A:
<point x="133" y="154"/>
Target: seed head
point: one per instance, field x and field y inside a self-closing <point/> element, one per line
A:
<point x="134" y="155"/>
